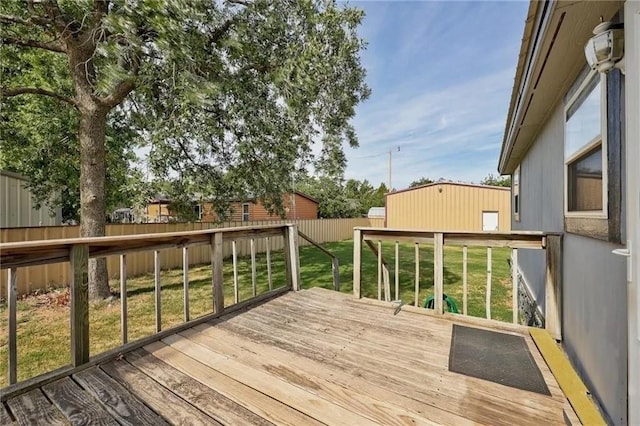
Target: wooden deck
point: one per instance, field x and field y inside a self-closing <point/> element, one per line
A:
<point x="311" y="357"/>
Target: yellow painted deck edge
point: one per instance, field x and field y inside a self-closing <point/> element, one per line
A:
<point x="569" y="381"/>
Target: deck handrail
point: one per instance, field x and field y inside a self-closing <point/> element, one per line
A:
<point x="550" y="242"/>
<point x="78" y="251"/>
<point x="335" y="262"/>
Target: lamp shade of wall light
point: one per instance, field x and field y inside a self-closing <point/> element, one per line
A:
<point x="605" y="48"/>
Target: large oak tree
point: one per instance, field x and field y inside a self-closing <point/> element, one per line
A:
<point x="230" y="95"/>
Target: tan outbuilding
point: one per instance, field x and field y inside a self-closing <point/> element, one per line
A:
<point x="450" y="206"/>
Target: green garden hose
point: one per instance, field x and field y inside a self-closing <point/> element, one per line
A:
<point x="451" y="304"/>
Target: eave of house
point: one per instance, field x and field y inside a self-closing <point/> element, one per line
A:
<point x="551" y="58"/>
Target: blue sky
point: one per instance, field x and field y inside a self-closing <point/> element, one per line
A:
<point x="441" y="74"/>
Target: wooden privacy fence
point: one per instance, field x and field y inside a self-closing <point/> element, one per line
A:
<point x="373" y="238"/>
<point x="75" y="253"/>
<point x="42" y="277"/>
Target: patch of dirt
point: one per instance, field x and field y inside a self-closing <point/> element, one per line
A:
<point x="53" y="298"/>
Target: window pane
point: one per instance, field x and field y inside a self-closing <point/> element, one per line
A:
<point x="583" y="121"/>
<point x="585" y="182"/>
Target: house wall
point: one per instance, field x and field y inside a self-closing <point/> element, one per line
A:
<point x="304" y="209"/>
<point x="448" y="206"/>
<point x="17" y="205"/>
<point x="594" y="315"/>
<point x="157" y="212"/>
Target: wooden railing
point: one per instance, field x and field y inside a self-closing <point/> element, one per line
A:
<point x="78" y="251"/>
<point x="373" y="238"/>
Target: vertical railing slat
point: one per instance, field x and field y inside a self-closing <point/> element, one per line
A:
<point x="357" y="262"/>
<point x="268" y="264"/>
<point x="79" y="289"/>
<point x="217" y="257"/>
<point x="417" y="274"/>
<point x="12" y="299"/>
<point x="514" y="283"/>
<point x="488" y="301"/>
<point x="438" y="272"/>
<point x="379" y="270"/>
<point x="158" y="289"/>
<point x="254" y="286"/>
<point x="234" y="256"/>
<point x="397" y="271"/>
<point x="335" y="268"/>
<point x="465" y="289"/>
<point x="185" y="282"/>
<point x="124" y="319"/>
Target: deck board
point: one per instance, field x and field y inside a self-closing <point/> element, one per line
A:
<point x="122" y="405"/>
<point x="479" y="400"/>
<point x="156" y="396"/>
<point x="75" y="404"/>
<point x="33" y="408"/>
<point x="311" y="357"/>
<point x="206" y="399"/>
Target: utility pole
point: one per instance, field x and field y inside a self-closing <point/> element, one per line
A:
<point x="389" y="170"/>
<point x="390" y="162"/>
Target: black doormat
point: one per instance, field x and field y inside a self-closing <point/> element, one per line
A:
<point x="497" y="357"/>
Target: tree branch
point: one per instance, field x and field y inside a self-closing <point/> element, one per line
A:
<point x="123" y="88"/>
<point x="219" y="32"/>
<point x="30" y="22"/>
<point x="6" y="92"/>
<point x="240" y="2"/>
<point x="53" y="47"/>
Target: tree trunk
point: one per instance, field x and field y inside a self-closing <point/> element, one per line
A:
<point x="93" y="123"/>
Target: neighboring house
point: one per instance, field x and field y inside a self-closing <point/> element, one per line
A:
<point x="17" y="204"/>
<point x="157" y="210"/>
<point x="572" y="146"/>
<point x="297" y="206"/>
<point x="376" y="213"/>
<point x="451" y="206"/>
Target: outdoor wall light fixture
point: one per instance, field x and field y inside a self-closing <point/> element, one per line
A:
<point x="605" y="50"/>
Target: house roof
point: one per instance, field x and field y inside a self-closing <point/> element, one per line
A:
<point x="163" y="199"/>
<point x="13" y="175"/>
<point x="551" y="58"/>
<point x="473" y="185"/>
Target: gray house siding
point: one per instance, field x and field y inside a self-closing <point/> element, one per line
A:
<point x="594" y="338"/>
<point x="541" y="202"/>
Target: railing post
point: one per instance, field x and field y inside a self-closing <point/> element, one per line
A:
<point x="514" y="284"/>
<point x="357" y="259"/>
<point x="438" y="273"/>
<point x="217" y="272"/>
<point x="79" y="289"/>
<point x="291" y="256"/>
<point x="12" y="290"/>
<point x="553" y="286"/>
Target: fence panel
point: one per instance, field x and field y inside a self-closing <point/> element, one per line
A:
<point x="36" y="278"/>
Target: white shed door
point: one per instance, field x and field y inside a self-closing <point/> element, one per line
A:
<point x="489" y="221"/>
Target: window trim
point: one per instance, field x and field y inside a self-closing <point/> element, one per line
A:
<point x="600" y="140"/>
<point x="248" y="217"/>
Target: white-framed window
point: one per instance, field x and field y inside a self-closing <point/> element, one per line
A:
<point x="585" y="150"/>
<point x="515" y="189"/>
<point x="245" y="212"/>
<point x="197" y="211"/>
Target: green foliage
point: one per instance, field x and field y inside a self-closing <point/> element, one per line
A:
<point x="422" y="181"/>
<point x="504" y="181"/>
<point x="337" y="199"/>
<point x="40" y="140"/>
<point x="229" y="96"/>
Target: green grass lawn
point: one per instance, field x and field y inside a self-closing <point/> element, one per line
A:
<point x="43" y="320"/>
